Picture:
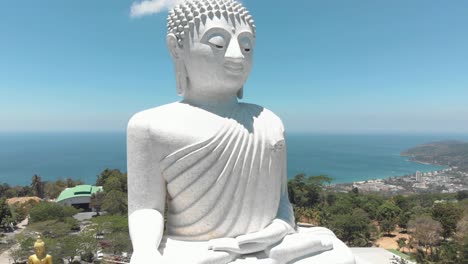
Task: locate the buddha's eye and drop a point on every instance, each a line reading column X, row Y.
column 245, row 44
column 217, row 41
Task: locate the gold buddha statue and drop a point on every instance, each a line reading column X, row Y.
column 40, row 257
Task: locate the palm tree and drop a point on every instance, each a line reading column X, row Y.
column 37, row 186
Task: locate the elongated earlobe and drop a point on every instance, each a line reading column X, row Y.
column 181, row 78
column 240, row 93
column 180, row 70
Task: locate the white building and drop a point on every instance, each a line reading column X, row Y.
column 418, row 176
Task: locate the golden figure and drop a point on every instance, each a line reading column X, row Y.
column 40, row 257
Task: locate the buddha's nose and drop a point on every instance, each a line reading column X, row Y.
column 234, row 52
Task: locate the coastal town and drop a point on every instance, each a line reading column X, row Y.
column 450, row 180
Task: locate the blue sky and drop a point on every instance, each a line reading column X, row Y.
column 323, row 66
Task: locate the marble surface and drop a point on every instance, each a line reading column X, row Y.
column 218, row 166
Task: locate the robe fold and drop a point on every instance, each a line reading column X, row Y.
column 229, row 184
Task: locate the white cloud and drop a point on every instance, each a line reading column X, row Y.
column 148, row 7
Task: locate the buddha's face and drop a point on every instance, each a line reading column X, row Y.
column 218, row 57
column 39, row 250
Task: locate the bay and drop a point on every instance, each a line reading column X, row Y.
column 83, row 156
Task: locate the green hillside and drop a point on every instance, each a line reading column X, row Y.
column 447, row 153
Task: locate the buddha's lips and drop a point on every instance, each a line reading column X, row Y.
column 234, row 67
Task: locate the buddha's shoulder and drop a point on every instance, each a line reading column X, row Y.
column 173, row 120
column 160, row 114
column 179, row 119
column 168, row 114
column 262, row 113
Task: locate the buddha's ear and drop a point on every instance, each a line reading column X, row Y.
column 240, row 93
column 173, row 46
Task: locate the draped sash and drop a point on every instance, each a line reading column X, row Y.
column 228, row 184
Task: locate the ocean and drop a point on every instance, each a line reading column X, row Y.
column 346, row 158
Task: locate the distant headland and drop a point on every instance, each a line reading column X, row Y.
column 452, row 154
column 446, row 153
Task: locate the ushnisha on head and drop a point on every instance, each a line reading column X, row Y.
column 39, row 247
column 211, row 43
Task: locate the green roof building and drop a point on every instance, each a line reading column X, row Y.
column 78, row 196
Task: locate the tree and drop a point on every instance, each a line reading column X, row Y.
column 115, row 202
column 53, row 189
column 113, row 184
column 448, row 215
column 352, row 228
column 3, row 190
column 387, row 225
column 388, row 211
column 331, row 198
column 305, row 191
column 108, row 173
column 6, row 216
column 425, row 230
column 302, row 194
column 97, row 200
column 448, row 252
column 403, row 219
column 72, row 183
column 402, row 202
column 37, row 186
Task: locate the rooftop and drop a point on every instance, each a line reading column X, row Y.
column 78, row 191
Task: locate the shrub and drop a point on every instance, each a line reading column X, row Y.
column 51, row 211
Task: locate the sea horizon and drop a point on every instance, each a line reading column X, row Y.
column 82, row 155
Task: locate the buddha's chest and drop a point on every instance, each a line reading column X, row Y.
column 194, row 127
column 230, row 147
column 236, row 173
column 45, row 260
column 223, row 175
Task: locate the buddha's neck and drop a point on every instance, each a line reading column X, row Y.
column 222, row 105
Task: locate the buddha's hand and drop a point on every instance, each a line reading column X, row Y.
column 253, row 242
column 147, row 257
column 232, row 245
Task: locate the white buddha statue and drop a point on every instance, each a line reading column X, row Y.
column 217, row 164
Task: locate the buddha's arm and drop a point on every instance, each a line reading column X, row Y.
column 49, row 259
column 281, row 226
column 284, row 222
column 146, row 193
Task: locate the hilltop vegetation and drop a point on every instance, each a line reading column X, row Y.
column 435, row 226
column 447, row 153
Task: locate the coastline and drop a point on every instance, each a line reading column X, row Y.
column 346, row 158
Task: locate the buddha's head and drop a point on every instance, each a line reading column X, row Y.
column 211, row 43
column 39, row 247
